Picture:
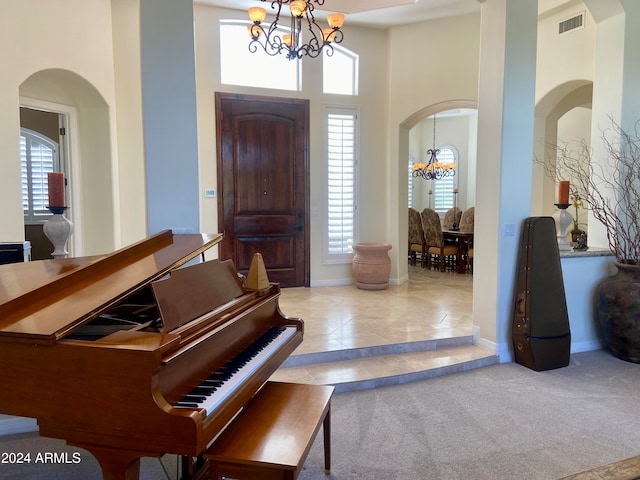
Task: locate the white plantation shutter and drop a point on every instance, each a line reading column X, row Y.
column 443, row 189
column 38, row 156
column 410, row 184
column 341, row 185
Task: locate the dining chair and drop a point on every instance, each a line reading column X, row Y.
column 417, row 243
column 466, row 225
column 451, row 218
column 467, row 220
column 434, row 239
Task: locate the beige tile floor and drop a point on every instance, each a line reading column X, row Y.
column 431, row 305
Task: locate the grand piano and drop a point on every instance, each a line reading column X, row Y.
column 136, row 353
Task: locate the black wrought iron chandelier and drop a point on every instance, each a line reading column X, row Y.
column 292, row 44
column 434, row 169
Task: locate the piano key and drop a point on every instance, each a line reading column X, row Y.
column 205, row 391
column 231, row 375
column 193, row 398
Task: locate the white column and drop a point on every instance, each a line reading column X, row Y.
column 169, row 115
column 506, row 102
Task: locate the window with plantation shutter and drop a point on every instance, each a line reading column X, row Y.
column 443, row 197
column 38, row 156
column 341, row 184
column 410, row 183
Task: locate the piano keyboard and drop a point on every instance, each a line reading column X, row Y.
column 221, row 384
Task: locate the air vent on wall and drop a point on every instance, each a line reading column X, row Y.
column 571, row 24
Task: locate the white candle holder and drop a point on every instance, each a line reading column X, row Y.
column 563, row 219
column 58, row 229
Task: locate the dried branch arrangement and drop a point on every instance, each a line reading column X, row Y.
column 610, row 187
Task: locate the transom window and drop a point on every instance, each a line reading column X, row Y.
column 38, row 156
column 238, row 66
column 340, row 71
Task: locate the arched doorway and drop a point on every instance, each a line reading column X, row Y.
column 88, row 158
column 419, row 125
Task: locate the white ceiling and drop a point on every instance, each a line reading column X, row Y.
column 374, row 13
column 389, row 13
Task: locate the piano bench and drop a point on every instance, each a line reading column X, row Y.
column 271, row 437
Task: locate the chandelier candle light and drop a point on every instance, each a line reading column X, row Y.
column 434, row 169
column 274, row 42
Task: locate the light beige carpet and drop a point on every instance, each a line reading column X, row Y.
column 628, row 469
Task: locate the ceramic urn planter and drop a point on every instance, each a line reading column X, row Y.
column 371, row 265
column 618, row 308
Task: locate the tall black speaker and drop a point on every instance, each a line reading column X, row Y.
column 541, row 333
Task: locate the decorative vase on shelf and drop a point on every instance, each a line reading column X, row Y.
column 575, row 233
column 58, row 229
column 563, row 220
column 371, row 265
column 618, row 307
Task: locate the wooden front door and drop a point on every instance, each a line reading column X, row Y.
column 263, row 186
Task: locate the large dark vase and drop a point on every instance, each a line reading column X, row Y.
column 618, row 305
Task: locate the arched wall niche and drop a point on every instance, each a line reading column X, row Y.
column 560, row 118
column 89, row 156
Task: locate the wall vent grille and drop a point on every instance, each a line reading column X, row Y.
column 571, row 24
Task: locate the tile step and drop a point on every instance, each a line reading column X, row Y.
column 312, row 358
column 368, row 372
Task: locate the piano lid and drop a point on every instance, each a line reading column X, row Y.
column 43, row 301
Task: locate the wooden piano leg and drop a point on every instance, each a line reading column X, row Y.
column 194, row 469
column 327, row 440
column 116, row 464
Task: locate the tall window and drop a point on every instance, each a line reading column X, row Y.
column 38, row 156
column 238, row 66
column 443, row 196
column 340, row 71
column 341, row 127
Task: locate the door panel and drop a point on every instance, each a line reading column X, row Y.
column 263, row 184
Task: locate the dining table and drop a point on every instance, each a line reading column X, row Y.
column 464, row 240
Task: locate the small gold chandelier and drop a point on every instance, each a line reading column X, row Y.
column 291, row 43
column 434, row 169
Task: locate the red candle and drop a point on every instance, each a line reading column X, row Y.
column 56, row 189
column 563, row 192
